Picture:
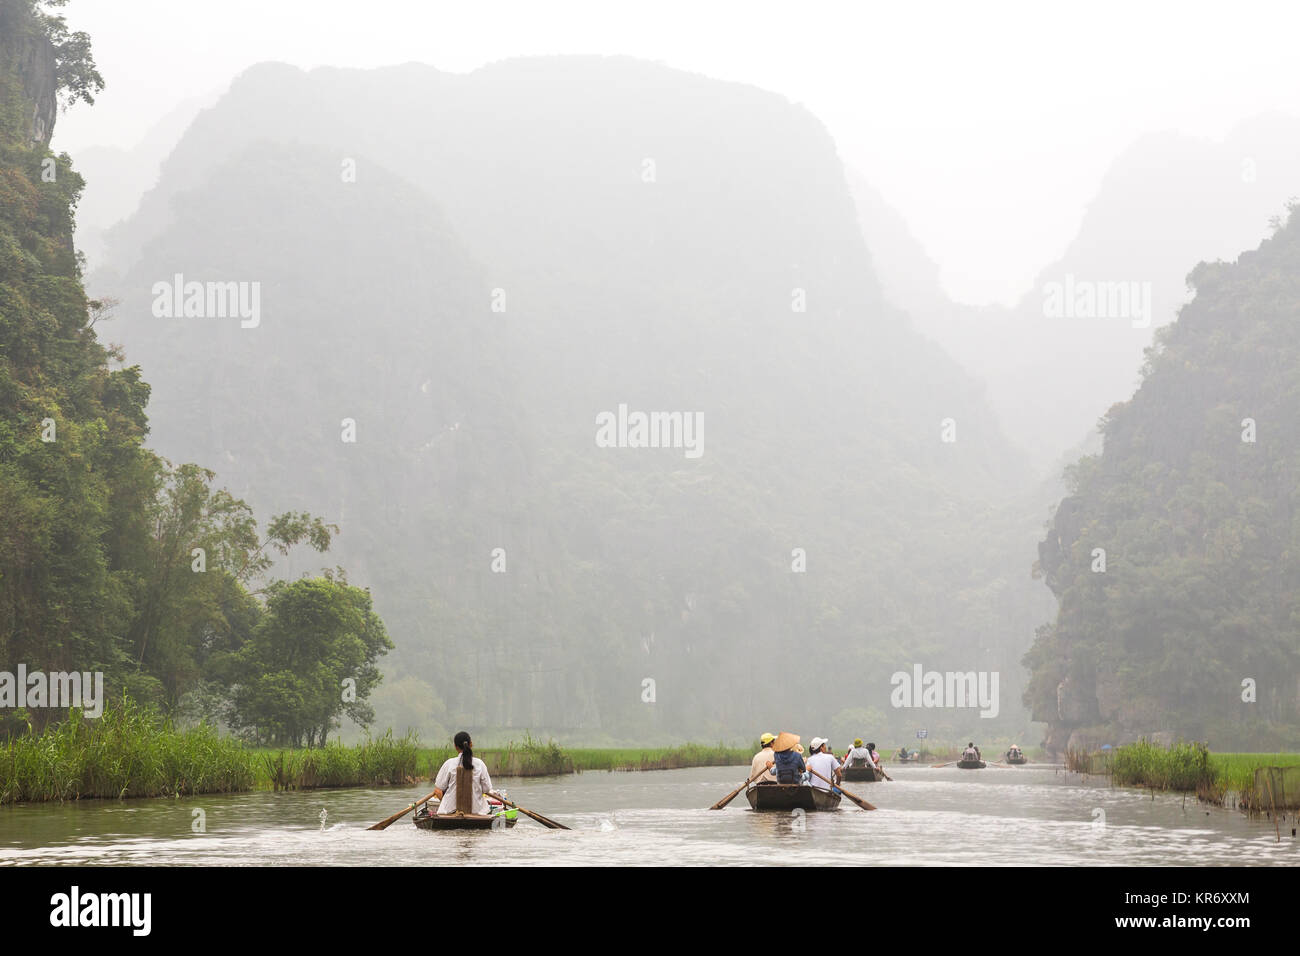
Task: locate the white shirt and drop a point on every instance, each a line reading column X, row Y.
column 446, row 782
column 857, row 753
column 826, row 765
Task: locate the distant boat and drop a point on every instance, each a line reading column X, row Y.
column 791, row 796
column 1016, row 758
column 864, row 773
column 911, row 756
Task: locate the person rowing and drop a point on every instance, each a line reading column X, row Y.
column 824, row 762
column 858, row 756
column 788, row 758
column 875, row 755
column 462, row 782
column 764, row 761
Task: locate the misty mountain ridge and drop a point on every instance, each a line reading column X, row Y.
column 1168, row 203
column 680, row 245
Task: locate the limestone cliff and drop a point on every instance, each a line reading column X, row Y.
column 28, row 74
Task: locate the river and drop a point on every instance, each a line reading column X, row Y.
column 999, row 816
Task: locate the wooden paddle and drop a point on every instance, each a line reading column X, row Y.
column 732, row 796
column 386, row 823
column 858, row 800
column 544, row 821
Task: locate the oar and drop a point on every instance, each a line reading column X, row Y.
column 732, row 796
column 858, row 800
column 385, row 824
column 544, row 821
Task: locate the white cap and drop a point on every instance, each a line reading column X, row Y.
column 818, row 742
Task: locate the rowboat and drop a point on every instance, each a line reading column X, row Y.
column 791, row 796
column 910, row 757
column 465, row 821
column 865, row 774
column 1017, row 758
column 971, row 764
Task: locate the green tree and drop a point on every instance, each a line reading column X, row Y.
column 310, row 661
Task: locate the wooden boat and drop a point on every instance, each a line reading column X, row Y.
column 1016, row 759
column 971, row 764
column 463, row 821
column 910, row 757
column 864, row 774
column 791, row 796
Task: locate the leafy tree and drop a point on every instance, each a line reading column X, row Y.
column 311, row 659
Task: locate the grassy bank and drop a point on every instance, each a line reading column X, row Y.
column 132, row 752
column 383, row 761
column 1185, row 768
column 127, row 752
column 533, row 758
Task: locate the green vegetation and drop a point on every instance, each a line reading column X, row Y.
column 112, row 560
column 380, row 762
column 133, row 751
column 1237, row 771
column 1190, row 629
column 1180, row 767
column 127, row 752
column 535, row 759
column 670, row 758
column 1184, row 767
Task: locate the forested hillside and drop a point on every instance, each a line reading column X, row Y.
column 112, row 561
column 1191, row 627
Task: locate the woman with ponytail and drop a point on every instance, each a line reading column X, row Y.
column 466, row 770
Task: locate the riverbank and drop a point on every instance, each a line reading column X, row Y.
column 536, row 759
column 132, row 752
column 1216, row 778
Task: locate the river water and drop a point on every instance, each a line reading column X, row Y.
column 998, row 816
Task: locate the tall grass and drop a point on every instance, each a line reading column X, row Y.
column 129, row 751
column 533, row 758
column 377, row 762
column 1183, row 766
column 1084, row 761
column 668, row 758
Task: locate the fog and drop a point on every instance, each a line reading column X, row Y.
column 679, row 372
column 989, row 128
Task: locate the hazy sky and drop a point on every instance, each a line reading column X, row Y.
column 988, row 125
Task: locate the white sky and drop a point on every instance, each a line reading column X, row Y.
column 988, row 125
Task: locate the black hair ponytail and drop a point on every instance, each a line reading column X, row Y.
column 461, row 740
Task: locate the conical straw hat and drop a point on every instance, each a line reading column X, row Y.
column 785, row 741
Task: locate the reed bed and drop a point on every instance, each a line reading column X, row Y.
column 128, row 751
column 534, row 758
column 1184, row 766
column 382, row 761
column 671, row 758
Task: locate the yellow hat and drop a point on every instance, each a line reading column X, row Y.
column 767, row 738
column 857, row 741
